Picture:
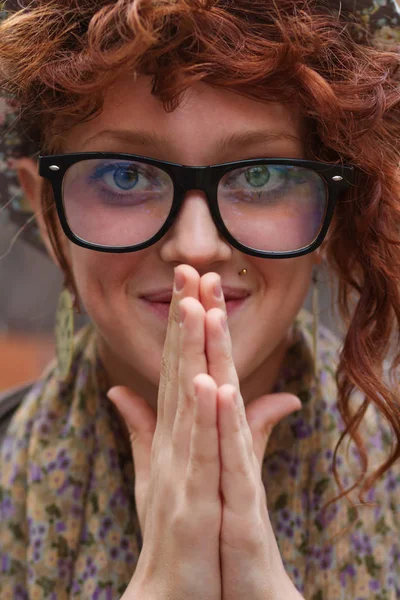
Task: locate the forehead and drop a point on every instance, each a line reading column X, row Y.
column 208, row 119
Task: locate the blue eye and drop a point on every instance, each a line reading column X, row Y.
column 125, row 177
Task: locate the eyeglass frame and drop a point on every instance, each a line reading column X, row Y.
column 337, row 179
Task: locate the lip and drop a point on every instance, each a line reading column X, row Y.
column 165, row 294
column 162, row 308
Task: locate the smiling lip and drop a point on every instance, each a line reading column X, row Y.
column 162, row 308
column 165, row 295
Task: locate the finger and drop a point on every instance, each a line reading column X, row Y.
column 170, row 356
column 210, row 292
column 219, row 349
column 192, row 362
column 220, row 363
column 203, row 470
column 140, row 420
column 264, row 413
column 238, row 482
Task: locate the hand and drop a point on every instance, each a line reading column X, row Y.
column 177, row 466
column 251, row 565
column 246, row 562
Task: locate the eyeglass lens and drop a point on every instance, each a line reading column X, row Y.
column 122, row 203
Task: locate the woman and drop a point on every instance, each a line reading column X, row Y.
column 132, row 468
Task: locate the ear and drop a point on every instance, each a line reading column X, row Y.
column 317, row 256
column 31, row 183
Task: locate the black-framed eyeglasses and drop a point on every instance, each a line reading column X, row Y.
column 271, row 208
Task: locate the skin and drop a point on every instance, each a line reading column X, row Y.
column 110, row 284
column 132, row 342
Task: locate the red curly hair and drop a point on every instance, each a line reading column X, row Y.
column 58, row 57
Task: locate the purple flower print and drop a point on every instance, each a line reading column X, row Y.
column 103, row 593
column 119, row 498
column 326, row 561
column 113, row 455
column 76, row 588
column 347, row 571
column 35, row 473
column 5, row 562
column 63, row 462
column 6, row 509
column 322, row 556
column 391, row 482
column 374, row 585
column 273, row 467
column 20, row 593
column 289, row 532
column 107, row 523
column 361, row 544
column 77, row 491
column 285, row 514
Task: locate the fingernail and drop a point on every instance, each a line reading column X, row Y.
column 218, row 290
column 179, row 281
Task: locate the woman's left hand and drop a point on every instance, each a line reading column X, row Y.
column 251, row 564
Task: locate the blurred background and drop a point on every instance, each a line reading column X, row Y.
column 29, row 289
column 30, row 285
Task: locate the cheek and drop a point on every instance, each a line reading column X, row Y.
column 287, row 279
column 286, row 288
column 101, row 277
column 282, row 289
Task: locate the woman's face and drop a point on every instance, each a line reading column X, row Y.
column 211, row 126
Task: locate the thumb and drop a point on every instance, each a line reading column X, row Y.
column 265, row 412
column 141, row 421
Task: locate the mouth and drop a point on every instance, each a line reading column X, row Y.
column 161, row 309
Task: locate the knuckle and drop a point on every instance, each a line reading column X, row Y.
column 187, row 529
column 200, row 465
column 248, row 534
column 252, row 541
column 225, row 358
column 181, row 526
column 243, row 470
column 199, row 461
column 191, row 351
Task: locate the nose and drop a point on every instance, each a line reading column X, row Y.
column 194, row 238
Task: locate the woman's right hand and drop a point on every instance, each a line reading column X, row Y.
column 177, row 467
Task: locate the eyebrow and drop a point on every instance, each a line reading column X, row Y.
column 229, row 142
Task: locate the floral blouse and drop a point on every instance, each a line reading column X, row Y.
column 68, row 521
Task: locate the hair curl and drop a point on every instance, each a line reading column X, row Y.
column 58, row 57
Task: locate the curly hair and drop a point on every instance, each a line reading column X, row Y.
column 58, row 58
